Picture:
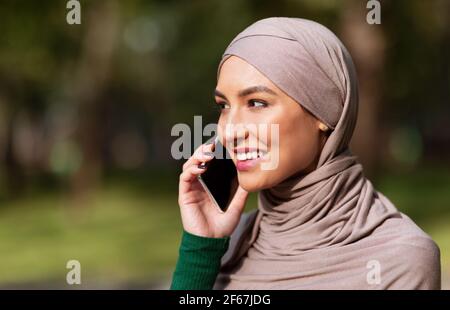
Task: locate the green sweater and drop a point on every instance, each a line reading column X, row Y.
column 198, row 262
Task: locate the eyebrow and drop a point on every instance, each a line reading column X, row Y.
column 247, row 91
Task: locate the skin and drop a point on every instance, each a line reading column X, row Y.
column 246, row 99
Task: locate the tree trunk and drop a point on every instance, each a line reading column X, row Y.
column 366, row 44
column 89, row 86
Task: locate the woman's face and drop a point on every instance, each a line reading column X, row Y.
column 251, row 109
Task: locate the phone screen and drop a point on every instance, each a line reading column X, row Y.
column 220, row 178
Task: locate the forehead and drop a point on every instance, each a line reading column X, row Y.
column 237, row 73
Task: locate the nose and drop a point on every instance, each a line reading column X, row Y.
column 235, row 134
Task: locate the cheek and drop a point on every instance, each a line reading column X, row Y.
column 221, row 127
column 298, row 152
column 299, row 145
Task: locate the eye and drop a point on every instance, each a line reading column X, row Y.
column 257, row 103
column 222, row 105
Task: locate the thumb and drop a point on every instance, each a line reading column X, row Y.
column 237, row 205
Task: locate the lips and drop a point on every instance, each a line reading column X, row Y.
column 248, row 157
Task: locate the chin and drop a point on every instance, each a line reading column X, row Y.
column 252, row 182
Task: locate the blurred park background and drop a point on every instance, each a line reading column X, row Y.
column 86, row 113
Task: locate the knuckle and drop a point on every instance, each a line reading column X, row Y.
column 185, row 165
column 182, row 176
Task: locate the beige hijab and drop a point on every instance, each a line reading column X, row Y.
column 329, row 229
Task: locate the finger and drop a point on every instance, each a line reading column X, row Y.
column 188, row 176
column 237, row 204
column 203, row 153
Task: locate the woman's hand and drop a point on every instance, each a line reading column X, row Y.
column 198, row 213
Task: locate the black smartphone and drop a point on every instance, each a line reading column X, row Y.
column 220, row 178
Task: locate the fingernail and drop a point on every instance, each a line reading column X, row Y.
column 202, row 166
column 210, row 154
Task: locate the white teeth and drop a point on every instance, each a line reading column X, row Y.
column 250, row 155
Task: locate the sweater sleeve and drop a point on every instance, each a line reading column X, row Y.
column 198, row 262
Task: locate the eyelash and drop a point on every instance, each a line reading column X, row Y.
column 221, row 104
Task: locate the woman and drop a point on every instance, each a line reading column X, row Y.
column 320, row 224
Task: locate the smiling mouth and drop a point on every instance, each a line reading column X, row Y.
column 243, row 156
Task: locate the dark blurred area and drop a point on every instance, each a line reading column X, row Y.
column 86, row 113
